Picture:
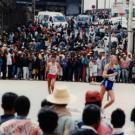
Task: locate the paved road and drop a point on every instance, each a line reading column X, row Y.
column 37, row 91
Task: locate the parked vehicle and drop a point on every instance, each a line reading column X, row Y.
column 83, row 20
column 52, row 18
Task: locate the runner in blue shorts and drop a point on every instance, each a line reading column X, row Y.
column 109, row 75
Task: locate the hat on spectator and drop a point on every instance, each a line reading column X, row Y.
column 101, row 51
column 124, row 55
column 58, row 34
column 92, row 96
column 41, row 50
column 4, row 45
column 60, row 96
column 19, row 52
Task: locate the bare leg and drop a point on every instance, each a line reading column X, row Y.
column 49, row 85
column 112, row 99
column 52, row 84
column 102, row 91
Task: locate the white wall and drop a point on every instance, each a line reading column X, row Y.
column 88, row 3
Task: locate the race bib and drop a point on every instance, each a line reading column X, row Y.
column 53, row 71
column 111, row 79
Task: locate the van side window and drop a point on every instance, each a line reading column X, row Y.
column 40, row 17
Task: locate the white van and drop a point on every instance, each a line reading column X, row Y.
column 55, row 18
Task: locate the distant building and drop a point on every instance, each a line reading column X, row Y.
column 6, row 12
column 17, row 12
column 68, row 7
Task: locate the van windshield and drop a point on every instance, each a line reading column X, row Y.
column 59, row 19
column 46, row 17
column 83, row 18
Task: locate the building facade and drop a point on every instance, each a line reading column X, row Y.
column 6, row 12
column 17, row 12
column 68, row 7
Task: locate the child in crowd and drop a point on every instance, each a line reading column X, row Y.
column 94, row 71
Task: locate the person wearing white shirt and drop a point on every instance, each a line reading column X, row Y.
column 9, row 64
column 94, row 71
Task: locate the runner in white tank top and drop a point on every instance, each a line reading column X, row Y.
column 53, row 68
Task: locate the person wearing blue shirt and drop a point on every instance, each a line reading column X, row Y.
column 109, row 75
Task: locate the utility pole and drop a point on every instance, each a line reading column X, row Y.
column 104, row 8
column 130, row 32
column 109, row 4
column 96, row 4
column 104, row 4
column 33, row 9
column 82, row 7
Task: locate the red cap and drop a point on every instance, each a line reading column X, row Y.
column 92, row 96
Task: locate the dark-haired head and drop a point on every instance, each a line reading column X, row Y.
column 48, row 120
column 118, row 118
column 22, row 106
column 133, row 115
column 8, row 101
column 91, row 115
column 45, row 103
column 98, row 103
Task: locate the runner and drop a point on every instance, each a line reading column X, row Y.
column 53, row 68
column 109, row 75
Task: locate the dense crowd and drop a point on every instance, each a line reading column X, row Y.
column 56, row 118
column 81, row 51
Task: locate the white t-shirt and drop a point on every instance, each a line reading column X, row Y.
column 9, row 59
column 95, row 68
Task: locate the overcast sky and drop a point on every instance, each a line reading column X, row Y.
column 89, row 3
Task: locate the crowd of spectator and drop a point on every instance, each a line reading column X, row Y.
column 81, row 52
column 55, row 118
